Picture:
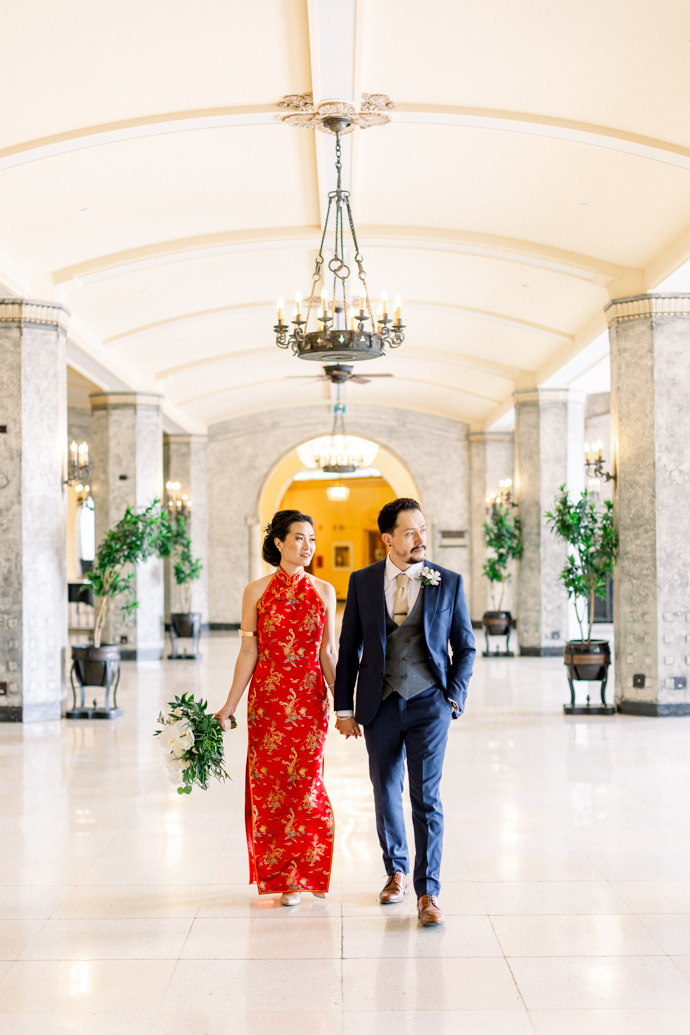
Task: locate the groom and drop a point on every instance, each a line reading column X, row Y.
column 400, row 619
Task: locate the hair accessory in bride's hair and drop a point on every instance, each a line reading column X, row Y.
column 267, row 529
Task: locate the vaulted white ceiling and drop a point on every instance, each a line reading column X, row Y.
column 536, row 165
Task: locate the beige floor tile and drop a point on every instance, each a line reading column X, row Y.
column 592, row 935
column 458, row 898
column 280, row 1022
column 283, row 936
column 428, row 984
column 630, row 982
column 440, row 1022
column 683, row 964
column 655, row 896
column 85, row 986
column 524, row 864
column 143, row 901
column 611, row 1022
column 21, row 902
column 671, row 931
column 76, row 1024
column 15, row 935
column 390, row 936
column 240, row 986
column 100, row 939
column 545, row 897
column 227, row 900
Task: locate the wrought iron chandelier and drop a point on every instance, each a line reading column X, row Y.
column 338, row 453
column 341, row 324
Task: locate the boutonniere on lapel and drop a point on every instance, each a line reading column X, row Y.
column 429, row 576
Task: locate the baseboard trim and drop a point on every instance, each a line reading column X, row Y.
column 653, row 709
column 541, row 652
column 11, row 714
column 224, row 626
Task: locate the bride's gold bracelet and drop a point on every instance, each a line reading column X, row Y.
column 243, row 632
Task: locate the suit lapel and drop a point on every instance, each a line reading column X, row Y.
column 378, row 597
column 432, row 595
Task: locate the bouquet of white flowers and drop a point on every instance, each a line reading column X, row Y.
column 192, row 742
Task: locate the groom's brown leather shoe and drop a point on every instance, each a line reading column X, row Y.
column 397, row 886
column 429, row 911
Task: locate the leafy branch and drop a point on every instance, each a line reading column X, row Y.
column 593, row 539
column 502, row 535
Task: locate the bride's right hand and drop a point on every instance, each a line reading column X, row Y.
column 222, row 715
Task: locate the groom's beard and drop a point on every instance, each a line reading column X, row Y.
column 416, row 555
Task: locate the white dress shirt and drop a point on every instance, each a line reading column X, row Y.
column 390, row 585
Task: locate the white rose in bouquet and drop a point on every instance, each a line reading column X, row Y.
column 177, row 737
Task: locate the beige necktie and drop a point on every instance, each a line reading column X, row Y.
column 400, row 599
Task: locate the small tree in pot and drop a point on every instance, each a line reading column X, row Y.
column 592, row 539
column 137, row 536
column 502, row 537
column 186, row 569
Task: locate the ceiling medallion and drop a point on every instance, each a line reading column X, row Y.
column 373, row 112
column 341, row 333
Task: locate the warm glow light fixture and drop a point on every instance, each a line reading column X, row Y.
column 338, row 453
column 337, row 493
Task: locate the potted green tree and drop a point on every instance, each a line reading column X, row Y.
column 592, row 540
column 137, row 536
column 184, row 623
column 502, row 538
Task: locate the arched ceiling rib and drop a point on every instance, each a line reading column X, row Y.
column 514, row 193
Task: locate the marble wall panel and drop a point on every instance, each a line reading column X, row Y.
column 492, row 459
column 33, row 613
column 650, row 367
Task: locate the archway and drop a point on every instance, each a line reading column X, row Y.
column 347, row 535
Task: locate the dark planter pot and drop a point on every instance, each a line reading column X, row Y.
column 95, row 666
column 587, row 660
column 497, row 623
column 185, row 625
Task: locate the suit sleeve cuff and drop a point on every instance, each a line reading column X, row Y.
column 344, row 715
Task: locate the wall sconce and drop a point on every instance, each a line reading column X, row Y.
column 594, row 462
column 178, row 503
column 78, row 470
column 502, row 498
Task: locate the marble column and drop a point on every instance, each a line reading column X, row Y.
column 549, row 439
column 33, row 446
column 127, row 454
column 650, row 425
column 492, row 459
column 185, row 460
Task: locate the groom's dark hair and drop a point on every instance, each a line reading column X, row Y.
column 388, row 515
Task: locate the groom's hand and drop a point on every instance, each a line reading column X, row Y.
column 348, row 727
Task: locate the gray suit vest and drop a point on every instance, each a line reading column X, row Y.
column 407, row 666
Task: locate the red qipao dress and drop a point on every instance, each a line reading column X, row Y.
column 288, row 816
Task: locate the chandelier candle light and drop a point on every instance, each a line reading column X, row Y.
column 341, row 332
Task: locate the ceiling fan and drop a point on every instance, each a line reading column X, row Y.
column 337, row 374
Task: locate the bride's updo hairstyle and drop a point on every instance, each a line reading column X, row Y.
column 278, row 529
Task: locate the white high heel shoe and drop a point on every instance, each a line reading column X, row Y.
column 320, row 894
column 290, row 898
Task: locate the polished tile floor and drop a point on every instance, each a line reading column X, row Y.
column 124, row 908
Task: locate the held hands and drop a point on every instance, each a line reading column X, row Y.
column 348, row 728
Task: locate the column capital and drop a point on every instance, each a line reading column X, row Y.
column 548, row 395
column 120, row 400
column 643, row 307
column 28, row 311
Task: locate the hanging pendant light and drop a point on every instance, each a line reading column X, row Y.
column 344, row 329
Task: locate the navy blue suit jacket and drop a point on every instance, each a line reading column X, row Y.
column 362, row 656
